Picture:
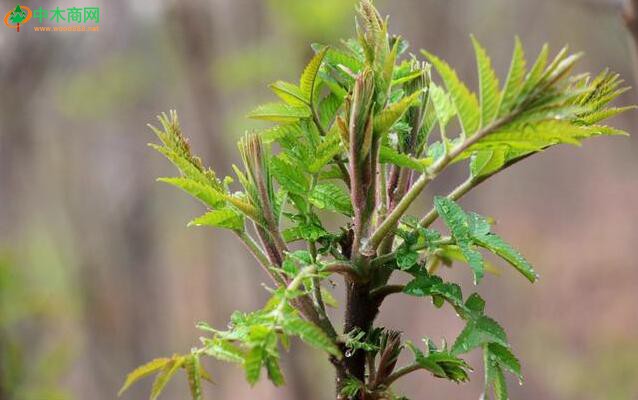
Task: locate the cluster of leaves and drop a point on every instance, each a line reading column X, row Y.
column 356, row 137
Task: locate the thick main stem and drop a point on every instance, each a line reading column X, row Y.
column 361, row 311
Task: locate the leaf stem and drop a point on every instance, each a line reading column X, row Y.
column 400, row 373
column 259, row 255
column 423, row 181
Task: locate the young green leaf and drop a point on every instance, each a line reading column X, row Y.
column 165, row 375
column 331, row 197
column 289, row 176
column 252, row 364
column 193, row 372
column 490, row 93
column 142, row 371
column 486, row 162
column 477, row 332
column 388, row 155
column 515, row 80
column 290, row 93
column 205, row 193
column 456, row 220
column 222, row 218
column 498, row 246
column 279, row 112
column 309, row 76
column 310, row 334
column 466, row 104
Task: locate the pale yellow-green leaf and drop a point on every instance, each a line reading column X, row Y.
column 142, row 371
column 279, row 112
column 309, row 75
column 223, row 218
column 515, row 80
column 489, row 89
column 467, row 106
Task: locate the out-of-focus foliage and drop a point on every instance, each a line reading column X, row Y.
column 32, row 302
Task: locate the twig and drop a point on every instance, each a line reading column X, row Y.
column 402, row 372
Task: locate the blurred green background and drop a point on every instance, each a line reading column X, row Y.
column 98, row 272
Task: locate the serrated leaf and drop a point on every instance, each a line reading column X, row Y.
column 534, row 137
column 498, row 246
column 206, row 194
column 328, row 108
column 489, row 89
column 222, row 218
column 331, row 197
column 326, row 151
column 193, row 372
column 224, row 351
column 464, row 100
column 165, row 375
column 442, row 105
column 486, row 162
column 290, row 177
column 388, row 155
column 274, row 371
column 456, row 220
column 475, row 303
column 505, row 358
column 142, row 371
column 477, row 332
column 279, row 112
column 290, row 93
column 309, row 75
column 390, row 115
column 406, row 258
column 515, row 80
column 535, row 75
column 252, row 364
column 310, row 334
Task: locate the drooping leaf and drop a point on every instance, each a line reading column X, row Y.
column 193, row 372
column 252, row 364
column 477, row 332
column 498, row 246
column 142, row 371
column 456, row 220
column 165, row 375
column 310, row 334
column 505, row 358
column 274, row 371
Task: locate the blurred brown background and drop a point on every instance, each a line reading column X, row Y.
column 98, row 272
